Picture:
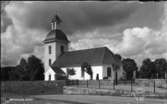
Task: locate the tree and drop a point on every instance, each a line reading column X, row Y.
column 116, row 66
column 129, row 66
column 6, row 73
column 35, row 68
column 160, row 67
column 70, row 72
column 118, row 57
column 21, row 72
column 85, row 67
column 147, row 69
column 32, row 69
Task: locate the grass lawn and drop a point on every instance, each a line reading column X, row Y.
column 79, row 99
column 37, row 101
column 94, row 99
column 27, row 91
column 19, row 99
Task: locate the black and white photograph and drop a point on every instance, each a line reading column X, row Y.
column 83, row 52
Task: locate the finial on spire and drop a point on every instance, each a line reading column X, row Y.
column 55, row 21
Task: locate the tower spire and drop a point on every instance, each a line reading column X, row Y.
column 55, row 21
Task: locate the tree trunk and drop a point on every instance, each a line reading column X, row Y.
column 67, row 76
column 91, row 76
column 134, row 74
column 116, row 79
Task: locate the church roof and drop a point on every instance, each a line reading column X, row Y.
column 57, row 70
column 94, row 56
column 56, row 35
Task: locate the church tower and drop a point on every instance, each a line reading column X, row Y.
column 55, row 43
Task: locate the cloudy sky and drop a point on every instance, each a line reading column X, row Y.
column 132, row 29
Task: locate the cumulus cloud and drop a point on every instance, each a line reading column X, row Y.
column 136, row 42
column 88, row 25
column 17, row 42
column 75, row 15
column 17, row 39
column 146, row 43
column 164, row 19
column 25, row 24
column 5, row 21
column 92, row 39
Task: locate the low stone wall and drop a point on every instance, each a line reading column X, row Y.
column 160, row 83
column 86, row 91
column 91, row 83
column 118, row 92
column 32, row 87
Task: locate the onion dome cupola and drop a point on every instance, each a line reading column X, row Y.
column 56, row 34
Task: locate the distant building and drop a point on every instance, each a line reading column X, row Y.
column 57, row 58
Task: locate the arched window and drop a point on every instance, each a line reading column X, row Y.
column 50, row 49
column 50, row 61
column 109, row 71
column 62, row 49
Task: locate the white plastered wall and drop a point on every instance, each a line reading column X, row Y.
column 58, row 49
column 119, row 72
column 48, row 56
column 55, row 52
column 96, row 70
column 105, row 71
column 50, row 72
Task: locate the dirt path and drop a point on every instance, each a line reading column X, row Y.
column 91, row 99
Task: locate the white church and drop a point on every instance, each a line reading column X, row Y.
column 58, row 58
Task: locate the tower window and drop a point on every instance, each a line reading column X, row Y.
column 108, row 71
column 50, row 61
column 50, row 50
column 62, row 49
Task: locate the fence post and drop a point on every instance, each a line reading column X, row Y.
column 99, row 83
column 66, row 82
column 78, row 83
column 154, row 86
column 114, row 84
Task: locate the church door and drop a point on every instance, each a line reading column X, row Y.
column 49, row 77
column 108, row 72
